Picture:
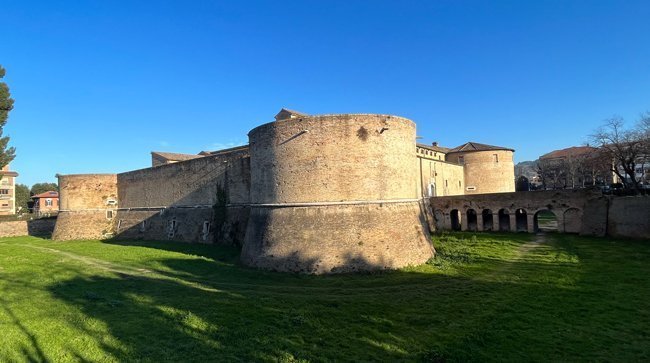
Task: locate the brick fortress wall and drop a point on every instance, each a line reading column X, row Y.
column 335, row 193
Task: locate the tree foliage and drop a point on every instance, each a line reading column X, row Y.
column 7, row 154
column 39, row 188
column 625, row 147
column 22, row 197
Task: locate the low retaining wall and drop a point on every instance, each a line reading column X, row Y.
column 37, row 227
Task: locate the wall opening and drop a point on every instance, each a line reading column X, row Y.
column 206, row 230
column 522, row 220
column 488, row 220
column 472, row 220
column 545, row 221
column 504, row 220
column 171, row 228
column 454, row 215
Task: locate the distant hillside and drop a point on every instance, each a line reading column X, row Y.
column 527, row 169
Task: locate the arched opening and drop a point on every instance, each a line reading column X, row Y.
column 488, row 220
column 545, row 221
column 454, row 215
column 472, row 220
column 572, row 220
column 522, row 220
column 504, row 220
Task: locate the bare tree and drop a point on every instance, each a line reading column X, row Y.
column 624, row 148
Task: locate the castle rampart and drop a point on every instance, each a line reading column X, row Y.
column 323, row 199
column 88, row 203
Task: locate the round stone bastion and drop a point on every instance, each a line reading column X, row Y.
column 333, row 194
column 87, row 206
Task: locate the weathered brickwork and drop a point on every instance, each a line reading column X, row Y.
column 37, row 227
column 440, row 178
column 629, row 217
column 328, row 194
column 581, row 211
column 333, row 158
column 338, row 165
column 486, row 171
column 88, row 203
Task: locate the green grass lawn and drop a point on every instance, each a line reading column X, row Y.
column 486, row 297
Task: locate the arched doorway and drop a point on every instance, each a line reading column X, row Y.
column 454, row 215
column 488, row 220
column 472, row 220
column 521, row 219
column 545, row 221
column 504, row 220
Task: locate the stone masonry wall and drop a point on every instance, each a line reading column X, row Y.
column 568, row 206
column 484, row 174
column 36, row 227
column 335, row 193
column 629, row 217
column 177, row 201
column 445, row 178
column 88, row 203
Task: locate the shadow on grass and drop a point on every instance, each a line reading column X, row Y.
column 211, row 309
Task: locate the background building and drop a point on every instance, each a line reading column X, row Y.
column 8, row 191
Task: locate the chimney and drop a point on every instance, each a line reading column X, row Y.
column 435, row 143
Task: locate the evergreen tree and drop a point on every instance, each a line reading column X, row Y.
column 6, row 105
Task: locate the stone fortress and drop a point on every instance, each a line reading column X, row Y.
column 315, row 194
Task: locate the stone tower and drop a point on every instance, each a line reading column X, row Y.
column 335, row 193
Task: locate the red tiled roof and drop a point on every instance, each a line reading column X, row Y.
column 49, row 194
column 569, row 152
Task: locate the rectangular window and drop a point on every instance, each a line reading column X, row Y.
column 461, row 160
column 109, row 214
column 4, row 191
column 48, row 202
column 446, row 183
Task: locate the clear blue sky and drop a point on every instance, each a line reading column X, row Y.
column 100, row 84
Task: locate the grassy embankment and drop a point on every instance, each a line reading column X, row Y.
column 485, row 297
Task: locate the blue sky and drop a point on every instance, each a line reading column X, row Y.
column 100, row 84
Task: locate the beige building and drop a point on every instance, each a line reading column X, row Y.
column 471, row 168
column 8, row 191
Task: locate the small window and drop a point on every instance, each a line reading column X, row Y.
column 461, row 160
column 109, row 214
column 459, row 184
column 111, row 202
column 471, row 188
column 446, row 183
column 143, row 226
column 4, row 191
column 171, row 228
column 48, row 202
